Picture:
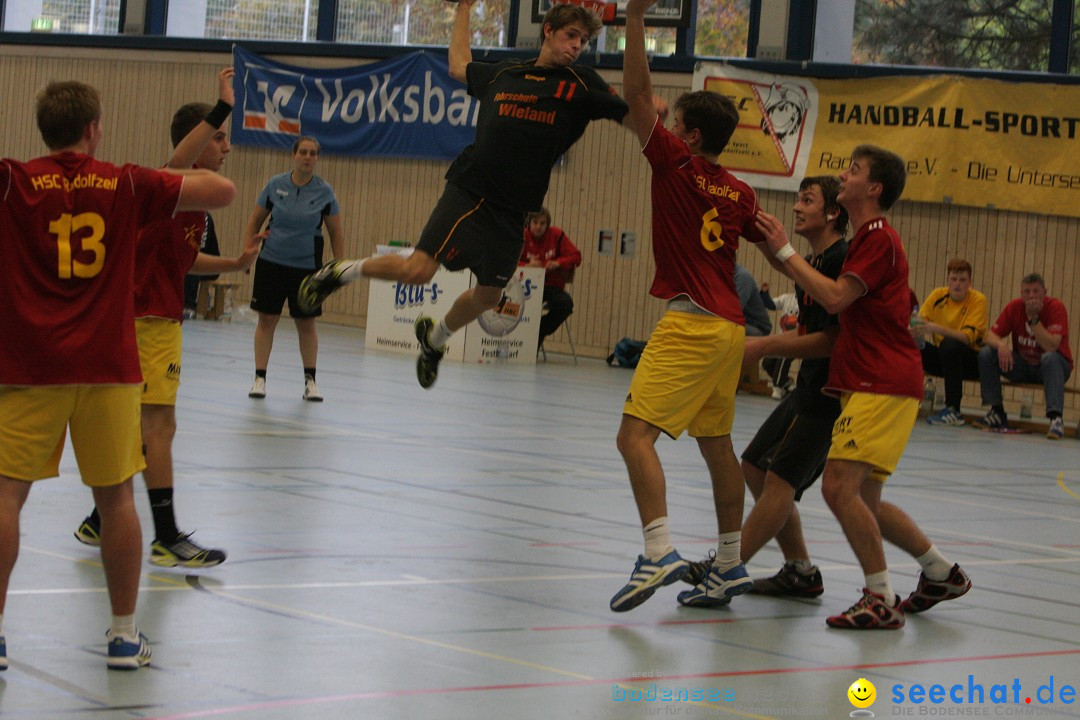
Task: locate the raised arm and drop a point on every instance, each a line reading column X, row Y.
column 204, row 190
column 188, row 150
column 460, row 53
column 834, row 295
column 637, row 83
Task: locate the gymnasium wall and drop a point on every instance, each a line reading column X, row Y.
column 603, row 184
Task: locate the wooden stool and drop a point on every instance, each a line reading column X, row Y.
column 213, row 309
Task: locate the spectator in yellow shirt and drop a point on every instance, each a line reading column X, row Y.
column 954, row 321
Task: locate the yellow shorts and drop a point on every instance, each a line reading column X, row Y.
column 105, row 431
column 687, row 376
column 160, row 342
column 873, row 429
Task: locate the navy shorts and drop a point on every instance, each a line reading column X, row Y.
column 792, row 445
column 274, row 284
column 467, row 231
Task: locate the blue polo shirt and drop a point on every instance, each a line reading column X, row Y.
column 296, row 218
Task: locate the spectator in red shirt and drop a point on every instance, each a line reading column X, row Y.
column 1039, row 353
column 548, row 247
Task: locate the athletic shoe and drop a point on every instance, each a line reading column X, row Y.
column 1057, row 429
column 258, row 388
column 946, row 416
column 697, row 569
column 789, row 582
column 3, row 654
column 311, row 390
column 427, row 365
column 127, row 654
column 994, row 420
column 184, row 552
column 648, row 575
column 718, row 588
column 930, row 592
column 89, row 533
column 319, row 285
column 870, row 613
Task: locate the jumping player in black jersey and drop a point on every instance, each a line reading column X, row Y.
column 531, row 112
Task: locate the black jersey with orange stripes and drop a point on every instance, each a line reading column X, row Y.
column 529, row 117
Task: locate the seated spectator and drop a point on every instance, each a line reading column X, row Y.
column 1039, row 353
column 954, row 322
column 758, row 323
column 548, row 247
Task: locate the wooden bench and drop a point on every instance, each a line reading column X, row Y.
column 211, row 301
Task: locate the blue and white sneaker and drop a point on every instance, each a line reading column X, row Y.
column 649, row 575
column 3, row 654
column 127, row 654
column 718, row 588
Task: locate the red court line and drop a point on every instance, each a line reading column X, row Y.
column 294, row 702
column 714, row 621
column 563, row 544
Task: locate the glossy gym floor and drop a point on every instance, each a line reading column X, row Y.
column 401, row 553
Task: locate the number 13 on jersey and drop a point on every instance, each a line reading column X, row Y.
column 63, row 227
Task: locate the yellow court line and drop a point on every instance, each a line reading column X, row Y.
column 1061, row 482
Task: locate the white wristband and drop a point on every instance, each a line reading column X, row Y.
column 785, row 252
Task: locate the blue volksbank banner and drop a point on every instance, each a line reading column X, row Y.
column 408, row 106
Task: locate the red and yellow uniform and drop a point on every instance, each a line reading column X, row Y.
column 876, row 369
column 689, row 370
column 68, row 229
column 167, row 249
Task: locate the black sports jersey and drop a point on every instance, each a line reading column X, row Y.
column 814, row 373
column 529, row 117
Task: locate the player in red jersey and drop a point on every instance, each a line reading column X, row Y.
column 876, row 371
column 688, row 373
column 168, row 250
column 68, row 357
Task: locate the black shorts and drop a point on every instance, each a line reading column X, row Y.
column 274, row 284
column 466, row 231
column 791, row 445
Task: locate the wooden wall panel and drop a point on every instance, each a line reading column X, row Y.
column 602, row 183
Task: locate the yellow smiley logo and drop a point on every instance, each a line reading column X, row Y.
column 862, row 693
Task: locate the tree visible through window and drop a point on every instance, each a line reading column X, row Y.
column 89, row 17
column 418, row 22
column 985, row 34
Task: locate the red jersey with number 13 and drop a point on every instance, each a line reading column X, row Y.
column 699, row 212
column 68, row 228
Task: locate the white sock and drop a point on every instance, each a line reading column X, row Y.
column 657, row 538
column 727, row 551
column 802, row 566
column 124, row 625
column 351, row 271
column 934, row 565
column 879, row 583
column 440, row 334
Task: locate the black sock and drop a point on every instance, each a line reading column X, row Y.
column 309, row 373
column 161, row 504
column 260, row 373
column 1052, row 415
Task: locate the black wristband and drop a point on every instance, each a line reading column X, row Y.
column 1034, row 322
column 216, row 117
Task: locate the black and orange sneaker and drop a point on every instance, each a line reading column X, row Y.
column 930, row 592
column 789, row 582
column 870, row 613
